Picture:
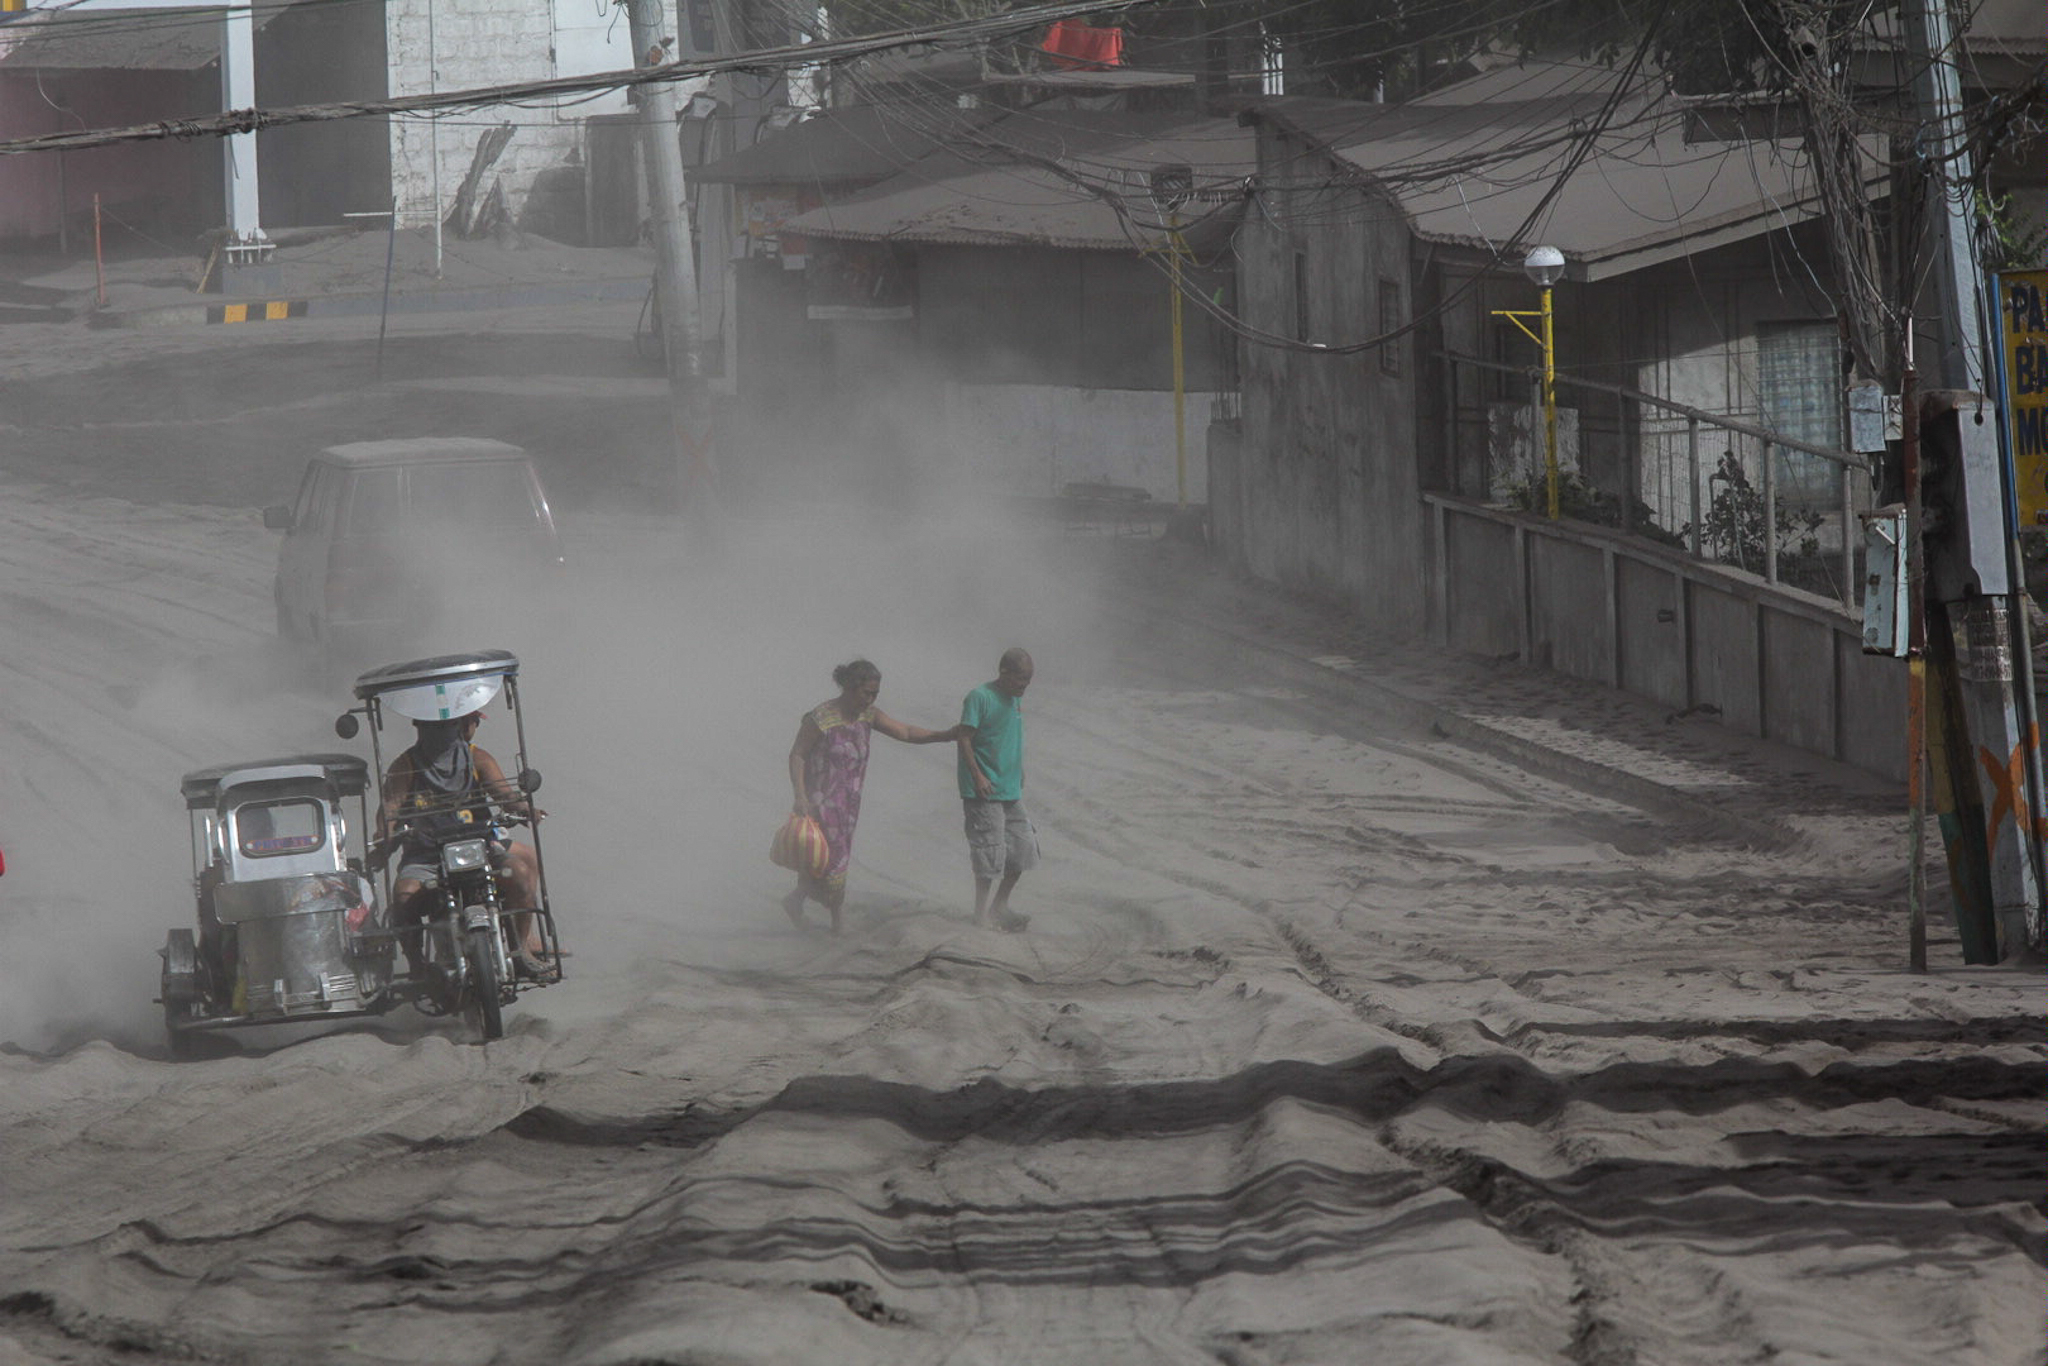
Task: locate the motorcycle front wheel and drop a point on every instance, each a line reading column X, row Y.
column 481, row 1007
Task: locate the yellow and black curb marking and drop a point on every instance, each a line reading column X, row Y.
column 269, row 311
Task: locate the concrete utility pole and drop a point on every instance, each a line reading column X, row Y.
column 1974, row 568
column 1938, row 97
column 676, row 269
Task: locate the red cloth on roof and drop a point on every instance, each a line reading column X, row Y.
column 1083, row 47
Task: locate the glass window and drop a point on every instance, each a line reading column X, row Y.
column 479, row 495
column 316, row 500
column 267, row 829
column 374, row 501
column 1800, row 379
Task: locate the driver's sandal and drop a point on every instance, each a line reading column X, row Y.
column 537, row 966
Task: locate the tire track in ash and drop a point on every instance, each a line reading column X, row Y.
column 1314, row 968
column 1601, row 1335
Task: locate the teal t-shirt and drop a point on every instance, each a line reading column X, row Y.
column 998, row 721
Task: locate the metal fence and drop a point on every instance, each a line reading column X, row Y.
column 1726, row 489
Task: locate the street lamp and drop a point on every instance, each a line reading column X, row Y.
column 1545, row 267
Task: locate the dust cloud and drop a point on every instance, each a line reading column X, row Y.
column 664, row 670
column 1327, row 1029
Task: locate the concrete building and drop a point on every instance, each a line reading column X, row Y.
column 438, row 45
column 1009, row 288
column 92, row 64
column 1396, row 477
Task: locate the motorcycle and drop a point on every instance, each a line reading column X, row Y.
column 459, row 934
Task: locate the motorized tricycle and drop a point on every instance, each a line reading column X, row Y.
column 289, row 924
column 470, row 946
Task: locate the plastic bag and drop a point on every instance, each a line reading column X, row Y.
column 800, row 845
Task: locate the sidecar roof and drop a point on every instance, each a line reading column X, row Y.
column 441, row 688
column 345, row 773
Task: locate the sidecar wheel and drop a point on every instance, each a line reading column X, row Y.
column 480, row 1004
column 179, row 989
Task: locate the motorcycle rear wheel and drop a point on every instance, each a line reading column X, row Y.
column 481, row 1007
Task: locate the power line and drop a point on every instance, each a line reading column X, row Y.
column 778, row 58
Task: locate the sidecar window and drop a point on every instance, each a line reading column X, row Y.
column 267, row 829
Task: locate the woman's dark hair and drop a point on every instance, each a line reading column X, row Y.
column 854, row 673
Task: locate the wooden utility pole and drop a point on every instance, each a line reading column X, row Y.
column 675, row 263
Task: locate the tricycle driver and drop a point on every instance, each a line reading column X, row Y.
column 444, row 764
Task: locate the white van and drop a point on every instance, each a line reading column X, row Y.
column 384, row 536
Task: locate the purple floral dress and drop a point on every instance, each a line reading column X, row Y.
column 833, row 773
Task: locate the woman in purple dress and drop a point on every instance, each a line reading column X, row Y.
column 827, row 765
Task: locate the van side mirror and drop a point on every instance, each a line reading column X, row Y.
column 346, row 725
column 278, row 518
column 529, row 780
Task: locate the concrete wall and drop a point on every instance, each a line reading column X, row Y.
column 1771, row 661
column 493, row 42
column 1327, row 483
column 313, row 173
column 1034, row 438
column 1080, row 319
column 169, row 189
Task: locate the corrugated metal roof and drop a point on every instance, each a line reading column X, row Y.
column 1067, row 179
column 860, row 144
column 1469, row 164
column 117, row 39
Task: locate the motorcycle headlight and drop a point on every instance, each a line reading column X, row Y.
column 464, row 855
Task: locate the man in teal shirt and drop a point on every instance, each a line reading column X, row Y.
column 1001, row 842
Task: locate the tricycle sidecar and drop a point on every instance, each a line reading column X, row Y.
column 289, row 927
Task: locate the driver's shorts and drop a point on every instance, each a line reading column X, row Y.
column 1000, row 837
column 426, row 874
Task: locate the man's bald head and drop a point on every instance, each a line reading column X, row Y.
column 1013, row 671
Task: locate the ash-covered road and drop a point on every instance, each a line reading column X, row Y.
column 1331, row 1040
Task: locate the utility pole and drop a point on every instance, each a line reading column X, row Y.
column 1916, row 680
column 675, row 270
column 1938, row 98
column 1973, row 567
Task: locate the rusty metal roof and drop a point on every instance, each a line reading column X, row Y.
column 1074, row 179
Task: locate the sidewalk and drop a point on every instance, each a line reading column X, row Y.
column 337, row 274
column 1688, row 767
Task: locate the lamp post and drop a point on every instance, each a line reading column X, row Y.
column 1544, row 266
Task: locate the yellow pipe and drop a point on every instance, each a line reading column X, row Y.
column 1549, row 405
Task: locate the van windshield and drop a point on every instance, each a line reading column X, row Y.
column 473, row 494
